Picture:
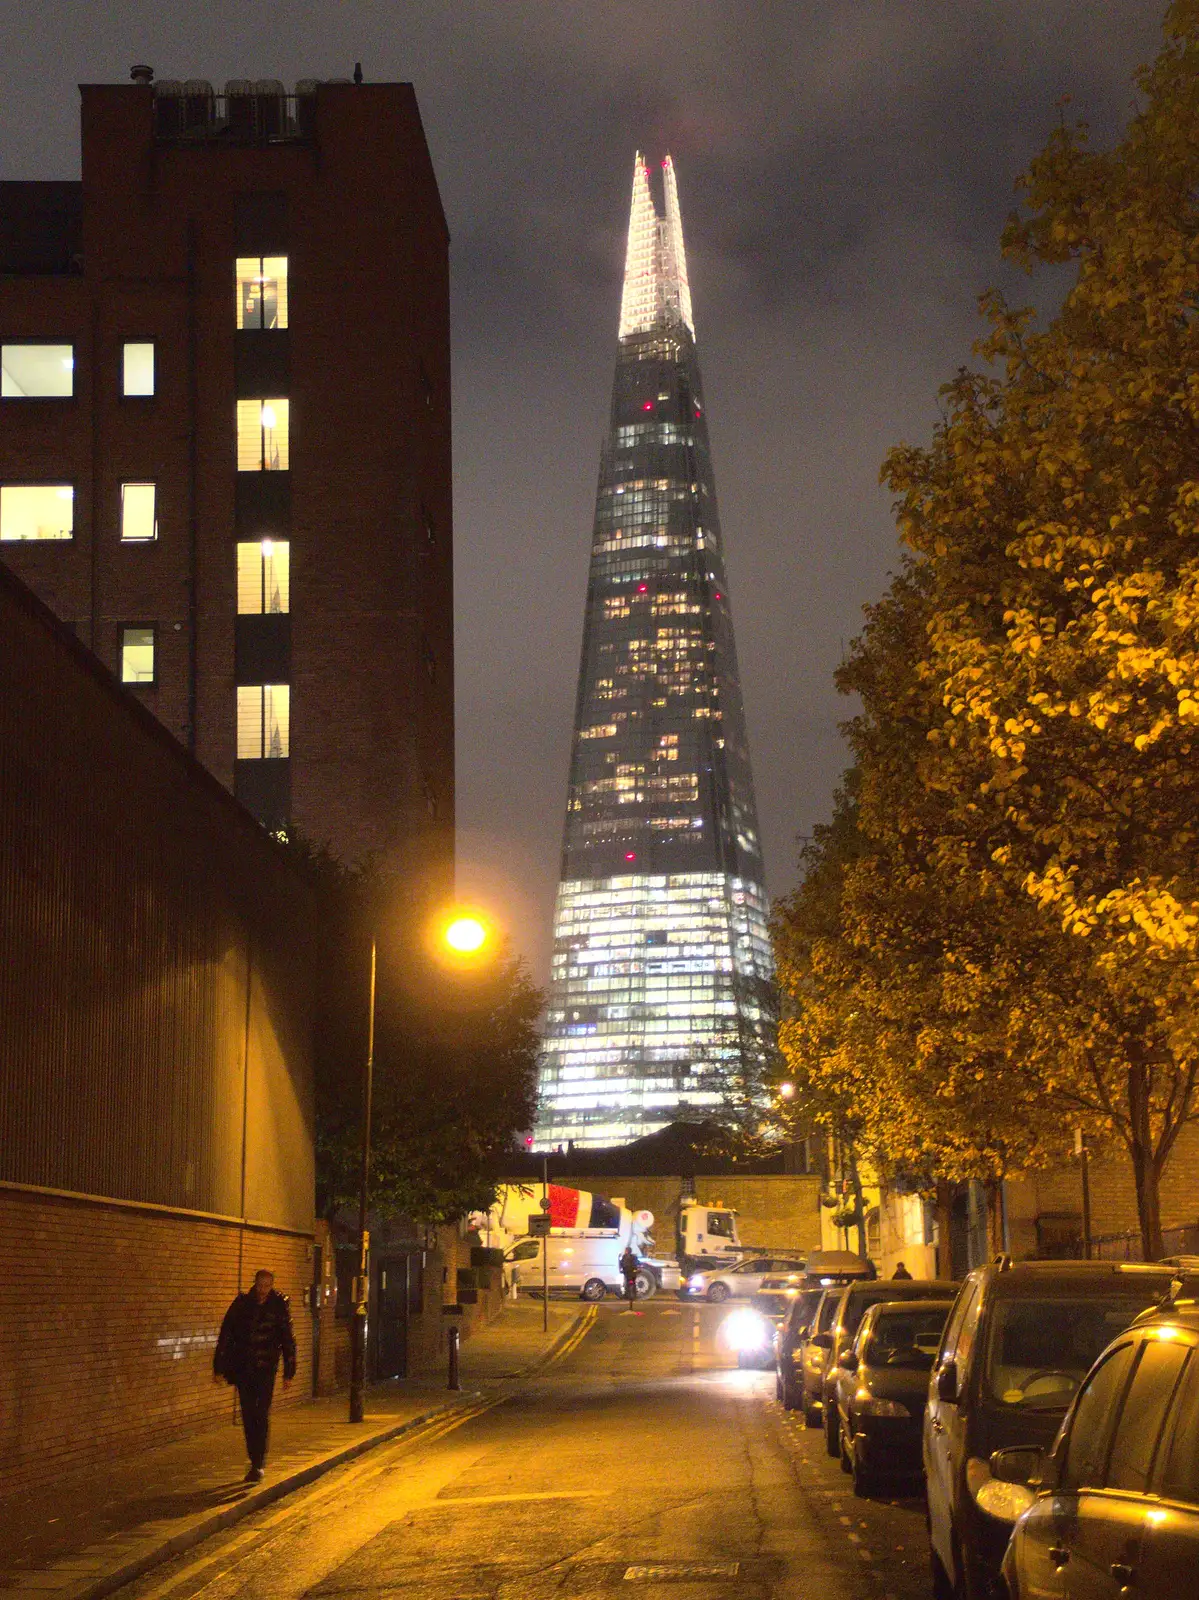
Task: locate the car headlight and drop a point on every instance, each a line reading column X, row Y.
column 873, row 1405
column 745, row 1330
column 695, row 1281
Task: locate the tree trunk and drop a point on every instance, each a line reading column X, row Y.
column 993, row 1188
column 855, row 1180
column 1144, row 1167
column 944, row 1205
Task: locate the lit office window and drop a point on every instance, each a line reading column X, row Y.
column 263, row 577
column 137, row 370
column 262, row 435
column 263, row 721
column 262, row 291
column 36, row 511
column 139, row 517
column 137, row 655
column 37, row 371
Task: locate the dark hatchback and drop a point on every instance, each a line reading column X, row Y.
column 882, row 1386
column 788, row 1347
column 1019, row 1341
column 1114, row 1507
column 852, row 1305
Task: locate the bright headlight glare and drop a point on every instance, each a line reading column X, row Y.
column 695, row 1281
column 745, row 1330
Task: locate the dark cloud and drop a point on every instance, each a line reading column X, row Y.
column 844, row 171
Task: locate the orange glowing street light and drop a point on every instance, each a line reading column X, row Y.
column 786, row 1090
column 466, row 935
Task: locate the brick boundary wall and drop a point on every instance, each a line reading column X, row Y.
column 108, row 1318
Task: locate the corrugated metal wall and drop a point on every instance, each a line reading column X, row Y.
column 154, row 955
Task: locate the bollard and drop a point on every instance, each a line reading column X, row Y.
column 453, row 1335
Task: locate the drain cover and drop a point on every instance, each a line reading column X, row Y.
column 681, row 1571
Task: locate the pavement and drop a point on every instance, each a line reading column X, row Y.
column 87, row 1534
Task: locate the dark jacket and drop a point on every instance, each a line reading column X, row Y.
column 254, row 1336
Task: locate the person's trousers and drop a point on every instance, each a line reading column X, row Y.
column 255, row 1393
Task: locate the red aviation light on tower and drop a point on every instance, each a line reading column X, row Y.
column 648, row 406
column 630, row 855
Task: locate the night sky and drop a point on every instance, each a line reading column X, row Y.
column 844, row 173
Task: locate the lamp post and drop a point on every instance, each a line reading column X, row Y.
column 362, row 1282
column 465, row 936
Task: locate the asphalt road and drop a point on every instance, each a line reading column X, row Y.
column 643, row 1463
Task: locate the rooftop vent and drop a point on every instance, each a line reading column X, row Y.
column 141, row 73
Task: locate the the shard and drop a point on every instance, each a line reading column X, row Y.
column 661, row 956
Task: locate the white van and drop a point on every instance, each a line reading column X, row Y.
column 587, row 1267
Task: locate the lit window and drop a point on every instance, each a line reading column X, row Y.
column 263, row 577
column 263, row 721
column 262, row 291
column 37, row 371
column 137, row 655
column 37, row 511
column 137, row 369
column 262, row 435
column 139, row 519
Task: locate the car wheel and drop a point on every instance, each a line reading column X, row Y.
column 811, row 1416
column 788, row 1396
column 863, row 1481
column 718, row 1293
column 847, row 1461
column 647, row 1285
column 593, row 1290
column 832, row 1431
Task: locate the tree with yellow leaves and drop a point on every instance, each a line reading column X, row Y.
column 1055, row 518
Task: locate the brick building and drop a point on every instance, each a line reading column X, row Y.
column 156, row 1138
column 225, row 440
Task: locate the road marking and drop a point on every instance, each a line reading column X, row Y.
column 576, row 1337
column 507, row 1499
column 673, row 1571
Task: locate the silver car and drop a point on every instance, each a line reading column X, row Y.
column 742, row 1281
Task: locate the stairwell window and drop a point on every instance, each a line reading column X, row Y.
column 262, row 291
column 31, row 371
column 263, row 578
column 263, row 721
column 36, row 511
column 139, row 515
column 263, row 435
column 137, row 368
column 137, row 654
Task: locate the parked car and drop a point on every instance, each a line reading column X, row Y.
column 813, row 1356
column 882, row 1386
column 776, row 1293
column 852, row 1304
column 1114, row 1507
column 788, row 1347
column 741, row 1281
column 1019, row 1341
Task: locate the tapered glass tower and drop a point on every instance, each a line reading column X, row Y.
column 661, row 957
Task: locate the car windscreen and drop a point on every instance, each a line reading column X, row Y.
column 1039, row 1350
column 827, row 1314
column 906, row 1338
column 803, row 1309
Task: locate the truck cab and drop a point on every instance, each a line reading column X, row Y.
column 707, row 1236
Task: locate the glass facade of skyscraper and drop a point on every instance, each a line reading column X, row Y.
column 661, row 956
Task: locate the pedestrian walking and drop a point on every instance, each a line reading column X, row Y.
column 901, row 1272
column 628, row 1271
column 255, row 1333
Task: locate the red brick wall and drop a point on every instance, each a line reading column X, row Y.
column 108, row 1318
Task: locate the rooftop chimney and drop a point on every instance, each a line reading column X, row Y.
column 142, row 74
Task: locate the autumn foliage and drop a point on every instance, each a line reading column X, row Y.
column 999, row 934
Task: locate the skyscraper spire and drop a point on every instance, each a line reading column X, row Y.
column 657, row 1002
column 655, row 270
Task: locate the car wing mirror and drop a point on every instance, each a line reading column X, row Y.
column 849, row 1361
column 947, row 1383
column 1020, row 1463
column 822, row 1341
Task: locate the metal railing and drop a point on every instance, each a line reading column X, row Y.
column 189, row 116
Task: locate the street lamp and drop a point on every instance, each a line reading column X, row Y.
column 465, row 935
column 786, row 1090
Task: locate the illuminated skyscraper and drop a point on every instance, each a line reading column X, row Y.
column 661, row 956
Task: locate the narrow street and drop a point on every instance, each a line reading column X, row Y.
column 641, row 1458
